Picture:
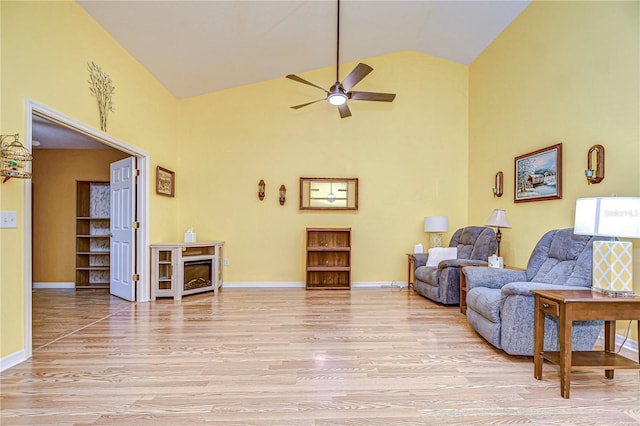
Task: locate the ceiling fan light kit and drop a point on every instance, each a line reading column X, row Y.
column 337, row 96
column 340, row 93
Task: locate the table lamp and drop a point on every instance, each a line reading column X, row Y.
column 435, row 225
column 612, row 260
column 498, row 219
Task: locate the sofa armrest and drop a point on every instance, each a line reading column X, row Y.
column 491, row 277
column 523, row 288
column 461, row 262
column 420, row 259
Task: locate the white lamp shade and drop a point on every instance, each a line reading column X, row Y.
column 608, row 217
column 498, row 219
column 436, row 224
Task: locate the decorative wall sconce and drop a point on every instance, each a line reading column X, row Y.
column 498, row 184
column 283, row 194
column 595, row 175
column 14, row 158
column 261, row 190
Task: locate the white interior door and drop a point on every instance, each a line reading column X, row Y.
column 123, row 195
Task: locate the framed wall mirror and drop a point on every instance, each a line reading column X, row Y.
column 328, row 193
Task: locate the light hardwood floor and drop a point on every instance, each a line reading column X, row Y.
column 57, row 313
column 296, row 357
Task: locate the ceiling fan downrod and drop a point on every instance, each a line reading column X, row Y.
column 341, row 92
column 338, row 47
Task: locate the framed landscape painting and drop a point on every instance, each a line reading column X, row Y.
column 538, row 175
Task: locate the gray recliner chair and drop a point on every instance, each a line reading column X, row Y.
column 500, row 305
column 441, row 283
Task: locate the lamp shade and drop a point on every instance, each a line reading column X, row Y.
column 498, row 219
column 436, row 224
column 608, row 217
column 612, row 260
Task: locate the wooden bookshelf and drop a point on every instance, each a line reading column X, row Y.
column 92, row 234
column 328, row 258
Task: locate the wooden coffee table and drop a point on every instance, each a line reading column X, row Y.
column 582, row 305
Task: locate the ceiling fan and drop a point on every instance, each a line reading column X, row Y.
column 341, row 92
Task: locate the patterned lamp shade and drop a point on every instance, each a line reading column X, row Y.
column 612, row 260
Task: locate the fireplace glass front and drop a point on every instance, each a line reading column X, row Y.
column 198, row 274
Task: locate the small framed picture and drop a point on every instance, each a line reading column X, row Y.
column 539, row 175
column 165, row 182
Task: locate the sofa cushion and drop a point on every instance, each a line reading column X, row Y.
column 474, row 242
column 553, row 271
column 438, row 254
column 486, row 302
column 427, row 274
column 567, row 246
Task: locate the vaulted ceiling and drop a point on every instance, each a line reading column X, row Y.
column 196, row 47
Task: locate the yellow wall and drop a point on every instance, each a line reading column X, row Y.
column 409, row 157
column 55, row 172
column 45, row 47
column 433, row 151
column 563, row 71
column 221, row 144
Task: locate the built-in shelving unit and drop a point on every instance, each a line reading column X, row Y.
column 92, row 234
column 328, row 258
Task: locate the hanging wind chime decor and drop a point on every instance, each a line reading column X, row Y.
column 102, row 88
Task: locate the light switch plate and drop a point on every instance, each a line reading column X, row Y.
column 8, row 220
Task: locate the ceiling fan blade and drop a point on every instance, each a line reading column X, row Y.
column 354, row 77
column 302, row 80
column 372, row 96
column 308, row 103
column 344, row 110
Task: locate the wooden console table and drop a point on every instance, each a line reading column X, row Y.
column 581, row 305
column 181, row 269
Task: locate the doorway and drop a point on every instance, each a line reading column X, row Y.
column 33, row 110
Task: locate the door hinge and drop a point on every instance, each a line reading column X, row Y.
column 135, row 277
column 136, row 172
column 135, row 225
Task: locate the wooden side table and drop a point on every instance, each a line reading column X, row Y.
column 410, row 264
column 463, row 290
column 581, row 305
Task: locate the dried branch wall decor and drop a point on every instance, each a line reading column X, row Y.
column 102, row 88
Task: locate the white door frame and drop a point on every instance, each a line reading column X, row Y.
column 143, row 290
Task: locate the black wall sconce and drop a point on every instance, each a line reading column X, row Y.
column 498, row 184
column 595, row 175
column 261, row 190
column 283, row 194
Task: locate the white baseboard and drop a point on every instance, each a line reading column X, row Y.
column 262, row 284
column 53, row 285
column 294, row 284
column 378, row 284
column 12, row 359
column 631, row 345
